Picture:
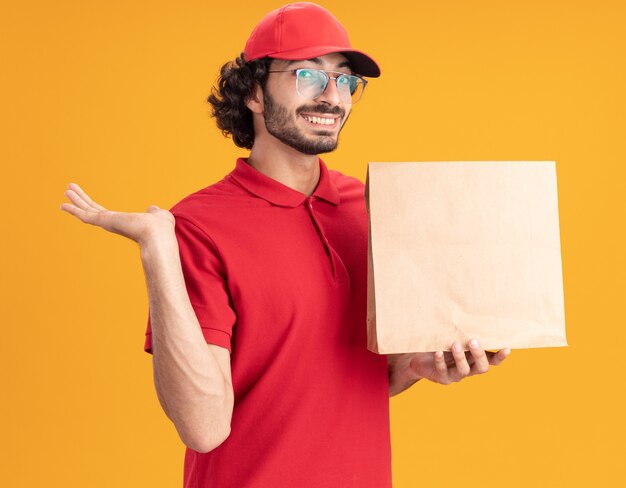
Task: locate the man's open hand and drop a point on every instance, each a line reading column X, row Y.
column 138, row 226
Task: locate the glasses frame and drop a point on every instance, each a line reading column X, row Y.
column 328, row 78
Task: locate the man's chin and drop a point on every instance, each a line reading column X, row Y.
column 323, row 141
column 325, row 133
column 316, row 147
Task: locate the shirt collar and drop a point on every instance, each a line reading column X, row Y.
column 277, row 193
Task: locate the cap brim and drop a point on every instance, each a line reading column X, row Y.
column 362, row 64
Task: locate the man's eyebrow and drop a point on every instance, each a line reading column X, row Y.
column 312, row 60
column 343, row 64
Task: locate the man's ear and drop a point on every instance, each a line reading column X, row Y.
column 255, row 102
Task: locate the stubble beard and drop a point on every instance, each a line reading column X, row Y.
column 279, row 123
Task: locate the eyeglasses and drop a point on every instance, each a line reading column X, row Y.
column 311, row 83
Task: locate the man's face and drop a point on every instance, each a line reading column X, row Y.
column 309, row 126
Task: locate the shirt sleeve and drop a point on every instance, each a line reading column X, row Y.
column 206, row 284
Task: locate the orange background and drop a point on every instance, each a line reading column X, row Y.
column 111, row 95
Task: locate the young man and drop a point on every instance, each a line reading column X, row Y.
column 257, row 283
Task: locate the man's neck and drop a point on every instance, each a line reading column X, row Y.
column 284, row 164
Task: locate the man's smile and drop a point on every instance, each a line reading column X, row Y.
column 328, row 121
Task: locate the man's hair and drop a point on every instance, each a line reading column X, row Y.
column 229, row 95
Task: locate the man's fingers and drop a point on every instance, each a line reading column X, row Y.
column 89, row 217
column 81, row 193
column 500, row 356
column 481, row 363
column 84, row 207
column 440, row 365
column 462, row 367
column 78, row 201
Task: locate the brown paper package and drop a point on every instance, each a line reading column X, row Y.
column 460, row 250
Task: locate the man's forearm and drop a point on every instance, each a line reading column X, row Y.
column 194, row 392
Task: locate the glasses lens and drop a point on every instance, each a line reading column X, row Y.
column 311, row 83
column 350, row 87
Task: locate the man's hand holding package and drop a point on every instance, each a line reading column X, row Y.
column 440, row 367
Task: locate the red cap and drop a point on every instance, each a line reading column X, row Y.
column 305, row 30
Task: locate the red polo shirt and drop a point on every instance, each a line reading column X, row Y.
column 280, row 280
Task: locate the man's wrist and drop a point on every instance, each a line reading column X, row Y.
column 401, row 375
column 159, row 242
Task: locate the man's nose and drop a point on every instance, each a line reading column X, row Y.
column 330, row 94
